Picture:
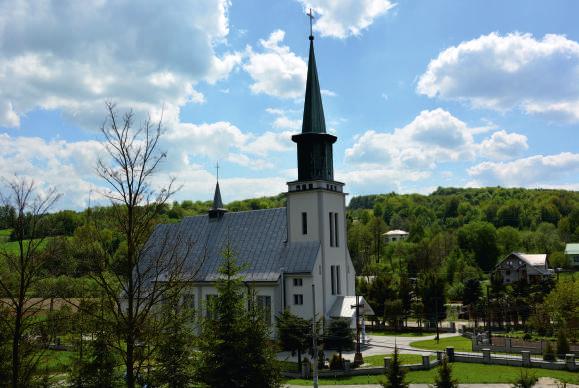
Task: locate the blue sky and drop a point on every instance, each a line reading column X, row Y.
column 420, row 93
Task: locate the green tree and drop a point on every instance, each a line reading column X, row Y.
column 294, row 334
column 444, row 378
column 233, row 349
column 394, row 313
column 175, row 359
column 562, row 344
column 395, row 375
column 23, row 270
column 339, row 336
column 98, row 366
column 480, row 238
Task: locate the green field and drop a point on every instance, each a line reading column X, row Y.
column 460, row 344
column 463, row 372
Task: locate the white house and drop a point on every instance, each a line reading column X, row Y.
column 283, row 251
column 572, row 254
column 395, row 235
column 523, row 266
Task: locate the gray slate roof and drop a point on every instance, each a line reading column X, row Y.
column 258, row 239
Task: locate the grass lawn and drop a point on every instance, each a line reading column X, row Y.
column 463, row 372
column 12, row 246
column 460, row 344
column 56, row 361
column 378, row 360
column 391, row 333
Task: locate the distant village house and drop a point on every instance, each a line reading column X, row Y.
column 532, row 268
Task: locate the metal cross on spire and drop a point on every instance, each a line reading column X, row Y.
column 217, row 169
column 311, row 16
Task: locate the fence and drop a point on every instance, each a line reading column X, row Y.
column 522, row 360
column 516, row 345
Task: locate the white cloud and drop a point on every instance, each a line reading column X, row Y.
column 71, row 56
column 344, row 18
column 432, row 137
column 276, row 71
column 503, row 145
column 512, row 71
column 69, row 167
column 533, row 171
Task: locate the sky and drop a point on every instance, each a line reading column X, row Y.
column 420, row 94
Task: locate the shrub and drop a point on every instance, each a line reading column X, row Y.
column 525, row 380
column 336, row 362
column 549, row 354
column 444, row 378
column 562, row 344
column 527, row 337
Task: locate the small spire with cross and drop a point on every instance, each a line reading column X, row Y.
column 311, row 16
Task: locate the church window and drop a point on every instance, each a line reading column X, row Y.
column 298, row 299
column 264, row 305
column 331, row 229
column 304, row 223
column 336, row 229
column 298, row 282
column 335, row 279
column 188, row 301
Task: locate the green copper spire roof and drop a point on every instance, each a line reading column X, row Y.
column 217, row 210
column 217, row 202
column 313, row 120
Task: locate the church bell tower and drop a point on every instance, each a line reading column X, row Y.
column 316, row 202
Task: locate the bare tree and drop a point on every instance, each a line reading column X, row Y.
column 151, row 268
column 23, row 270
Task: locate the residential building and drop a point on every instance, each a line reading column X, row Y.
column 517, row 266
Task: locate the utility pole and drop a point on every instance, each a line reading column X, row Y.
column 314, row 339
column 489, row 316
column 358, row 359
column 436, row 318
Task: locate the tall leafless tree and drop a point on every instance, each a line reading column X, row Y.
column 23, row 270
column 151, row 270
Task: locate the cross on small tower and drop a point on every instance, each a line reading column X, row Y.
column 311, row 16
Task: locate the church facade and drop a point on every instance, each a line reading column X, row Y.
column 294, row 257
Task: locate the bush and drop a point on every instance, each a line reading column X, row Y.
column 336, row 362
column 562, row 344
column 549, row 354
column 527, row 337
column 525, row 380
column 444, row 378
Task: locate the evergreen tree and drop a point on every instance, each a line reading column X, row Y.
column 562, row 344
column 444, row 378
column 395, row 374
column 294, row 334
column 234, row 345
column 97, row 369
column 175, row 357
column 339, row 336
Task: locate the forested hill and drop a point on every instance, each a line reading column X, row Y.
column 482, row 224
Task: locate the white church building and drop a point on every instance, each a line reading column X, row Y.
column 283, row 251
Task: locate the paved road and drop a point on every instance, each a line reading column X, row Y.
column 379, row 345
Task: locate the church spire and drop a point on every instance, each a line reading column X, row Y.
column 315, row 154
column 313, row 120
column 217, row 210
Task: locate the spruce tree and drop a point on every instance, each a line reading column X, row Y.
column 562, row 344
column 175, row 358
column 395, row 374
column 444, row 378
column 234, row 345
